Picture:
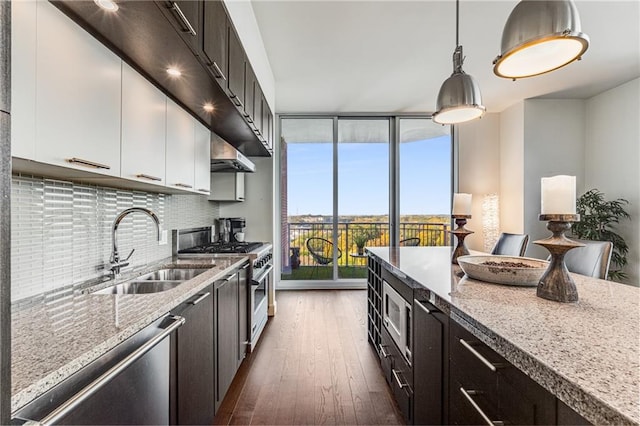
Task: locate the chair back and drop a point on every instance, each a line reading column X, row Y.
column 511, row 244
column 591, row 260
column 321, row 250
column 410, row 242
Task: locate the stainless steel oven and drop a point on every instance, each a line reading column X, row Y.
column 259, row 301
column 199, row 243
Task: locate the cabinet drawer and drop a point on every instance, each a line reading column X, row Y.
column 398, row 374
column 473, row 364
column 470, row 406
column 483, row 381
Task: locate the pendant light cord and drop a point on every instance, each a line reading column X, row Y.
column 457, row 22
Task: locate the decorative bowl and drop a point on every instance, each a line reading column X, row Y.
column 508, row 270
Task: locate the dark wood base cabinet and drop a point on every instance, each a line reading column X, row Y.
column 195, row 361
column 430, row 364
column 484, row 387
column 450, row 376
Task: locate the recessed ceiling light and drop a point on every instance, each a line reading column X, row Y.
column 108, row 5
column 174, row 72
column 208, row 107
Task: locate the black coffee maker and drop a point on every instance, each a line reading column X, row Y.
column 230, row 227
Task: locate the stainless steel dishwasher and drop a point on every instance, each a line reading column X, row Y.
column 127, row 385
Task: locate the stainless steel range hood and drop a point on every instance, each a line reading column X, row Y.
column 225, row 158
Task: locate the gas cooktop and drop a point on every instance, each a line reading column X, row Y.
column 243, row 247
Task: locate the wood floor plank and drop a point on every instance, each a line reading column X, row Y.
column 312, row 366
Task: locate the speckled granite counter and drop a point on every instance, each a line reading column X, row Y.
column 54, row 338
column 586, row 353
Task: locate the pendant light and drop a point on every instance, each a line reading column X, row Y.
column 539, row 37
column 459, row 99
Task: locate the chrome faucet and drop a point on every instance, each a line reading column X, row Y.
column 115, row 261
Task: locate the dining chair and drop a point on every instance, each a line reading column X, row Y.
column 415, row 241
column 511, row 244
column 592, row 260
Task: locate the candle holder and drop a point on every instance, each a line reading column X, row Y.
column 556, row 283
column 461, row 233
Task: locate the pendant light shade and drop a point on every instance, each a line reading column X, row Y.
column 459, row 99
column 539, row 37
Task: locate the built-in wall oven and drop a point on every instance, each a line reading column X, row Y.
column 397, row 318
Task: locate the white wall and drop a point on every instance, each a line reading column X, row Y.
column 553, row 145
column 612, row 158
column 258, row 205
column 511, row 169
column 479, row 169
column 244, row 19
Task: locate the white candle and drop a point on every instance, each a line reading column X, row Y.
column 558, row 195
column 461, row 204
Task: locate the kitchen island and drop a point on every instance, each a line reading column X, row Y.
column 55, row 335
column 585, row 353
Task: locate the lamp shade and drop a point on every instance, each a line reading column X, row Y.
column 459, row 99
column 539, row 37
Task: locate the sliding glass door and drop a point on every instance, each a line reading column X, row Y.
column 363, row 191
column 339, row 179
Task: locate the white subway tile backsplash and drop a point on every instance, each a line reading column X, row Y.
column 61, row 230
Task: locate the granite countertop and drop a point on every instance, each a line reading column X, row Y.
column 63, row 332
column 586, row 353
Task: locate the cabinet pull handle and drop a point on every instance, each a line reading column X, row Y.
column 204, row 190
column 143, row 176
column 383, row 352
column 230, row 277
column 59, row 413
column 184, row 185
column 236, row 100
column 218, row 71
column 467, row 395
column 424, row 308
column 200, row 299
column 486, row 362
column 88, row 163
column 183, row 18
column 396, row 375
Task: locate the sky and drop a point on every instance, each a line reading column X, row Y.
column 363, row 176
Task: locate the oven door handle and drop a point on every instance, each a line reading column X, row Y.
column 258, row 280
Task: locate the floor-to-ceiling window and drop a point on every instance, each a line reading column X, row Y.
column 425, row 152
column 349, row 182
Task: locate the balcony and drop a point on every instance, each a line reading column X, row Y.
column 301, row 265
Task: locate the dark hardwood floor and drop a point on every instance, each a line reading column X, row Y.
column 313, row 365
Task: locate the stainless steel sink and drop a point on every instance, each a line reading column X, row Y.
column 140, row 287
column 154, row 282
column 173, row 274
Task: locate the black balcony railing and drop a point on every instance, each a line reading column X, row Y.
column 376, row 234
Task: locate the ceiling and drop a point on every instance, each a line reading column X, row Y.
column 392, row 56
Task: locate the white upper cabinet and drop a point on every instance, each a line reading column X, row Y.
column 180, row 147
column 23, row 79
column 78, row 83
column 203, row 159
column 144, row 112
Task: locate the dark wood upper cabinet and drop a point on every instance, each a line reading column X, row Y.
column 257, row 109
column 236, row 69
column 265, row 119
column 214, row 43
column 249, row 93
column 185, row 16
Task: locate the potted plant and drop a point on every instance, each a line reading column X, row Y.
column 598, row 219
column 360, row 238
